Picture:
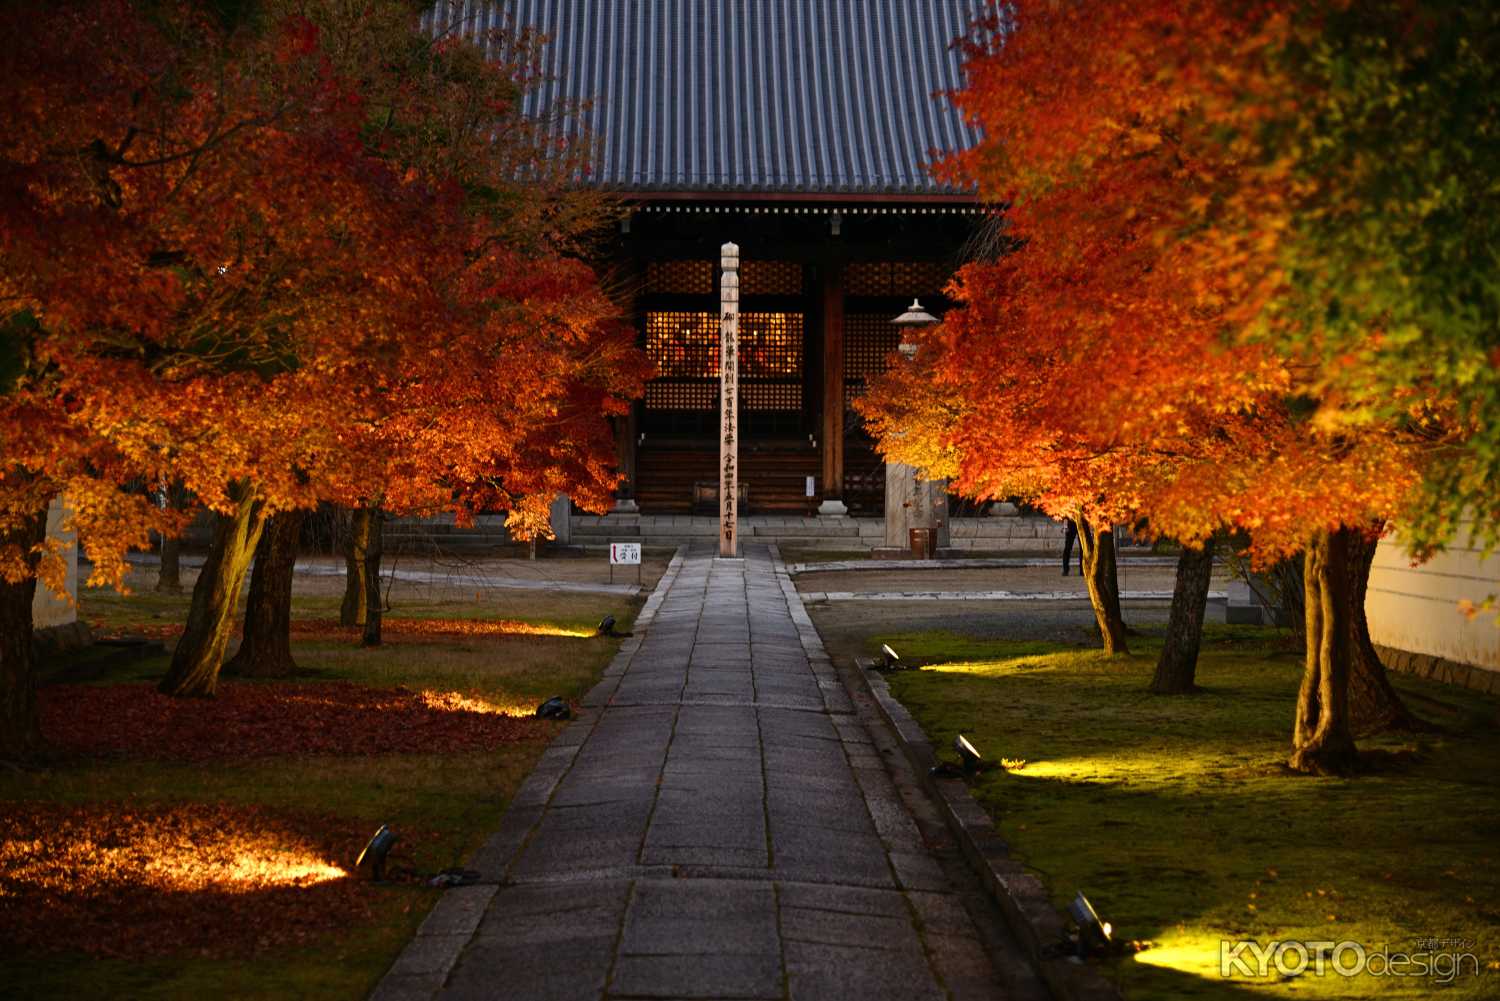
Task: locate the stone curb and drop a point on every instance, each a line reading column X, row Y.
column 835, row 697
column 1023, row 899
column 422, row 968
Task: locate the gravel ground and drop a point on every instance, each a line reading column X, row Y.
column 437, row 577
column 1048, row 578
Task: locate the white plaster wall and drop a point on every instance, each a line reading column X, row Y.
column 1417, row 608
column 47, row 609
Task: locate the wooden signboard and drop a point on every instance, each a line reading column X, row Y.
column 729, row 399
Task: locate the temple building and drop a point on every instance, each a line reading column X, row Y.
column 802, row 131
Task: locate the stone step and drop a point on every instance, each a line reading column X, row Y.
column 805, row 532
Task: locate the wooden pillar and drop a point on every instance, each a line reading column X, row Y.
column 627, row 426
column 729, row 397
column 832, row 280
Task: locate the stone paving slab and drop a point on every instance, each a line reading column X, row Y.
column 719, row 823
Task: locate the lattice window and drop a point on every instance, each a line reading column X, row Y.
column 771, row 345
column 770, row 278
column 680, row 277
column 895, row 278
column 869, row 339
column 683, row 344
column 771, row 396
column 663, row 394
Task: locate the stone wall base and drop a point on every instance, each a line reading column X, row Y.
column 53, row 641
column 1480, row 679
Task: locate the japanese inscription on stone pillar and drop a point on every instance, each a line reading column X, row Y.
column 729, row 399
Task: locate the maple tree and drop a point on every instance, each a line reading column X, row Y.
column 1151, row 349
column 286, row 253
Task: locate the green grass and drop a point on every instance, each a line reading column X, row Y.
column 448, row 802
column 1177, row 818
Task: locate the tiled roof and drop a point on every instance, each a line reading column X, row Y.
column 834, row 97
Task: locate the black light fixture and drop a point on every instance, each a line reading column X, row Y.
column 892, row 659
column 1095, row 937
column 970, row 758
column 376, row 849
column 554, row 708
column 606, row 626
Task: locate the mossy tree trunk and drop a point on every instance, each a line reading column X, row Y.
column 1322, row 739
column 352, row 611
column 374, row 549
column 1177, row 667
column 266, row 649
column 1102, row 577
column 200, row 653
column 1374, row 705
column 20, row 731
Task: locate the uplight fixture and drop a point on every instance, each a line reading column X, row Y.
column 1095, row 937
column 892, row 659
column 967, row 754
column 376, row 850
column 554, row 708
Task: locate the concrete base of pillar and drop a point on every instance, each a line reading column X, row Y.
column 832, row 508
column 912, row 502
column 562, row 520
column 626, row 505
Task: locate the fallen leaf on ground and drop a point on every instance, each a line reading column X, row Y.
column 125, row 879
column 249, row 720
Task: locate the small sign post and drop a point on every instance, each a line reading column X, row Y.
column 624, row 554
column 729, row 399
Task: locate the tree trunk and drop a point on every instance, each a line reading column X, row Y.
column 352, row 611
column 374, row 548
column 1374, row 705
column 266, row 650
column 200, row 652
column 1179, row 657
column 1099, row 572
column 20, row 732
column 1322, row 741
column 169, row 576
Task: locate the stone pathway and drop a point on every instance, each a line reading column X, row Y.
column 720, row 822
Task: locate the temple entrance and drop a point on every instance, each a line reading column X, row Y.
column 677, row 448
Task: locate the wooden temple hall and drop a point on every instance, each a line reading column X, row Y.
column 800, row 130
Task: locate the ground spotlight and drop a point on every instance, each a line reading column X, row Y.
column 554, row 708
column 606, row 626
column 376, row 850
column 970, row 758
column 892, row 659
column 1094, row 936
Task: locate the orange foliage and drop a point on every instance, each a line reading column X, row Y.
column 297, row 255
column 1108, row 363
